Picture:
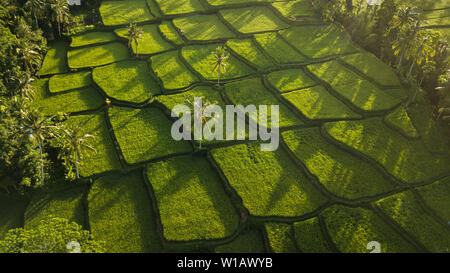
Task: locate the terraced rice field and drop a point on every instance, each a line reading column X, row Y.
column 353, row 166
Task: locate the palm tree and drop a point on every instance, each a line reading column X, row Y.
column 26, row 88
column 36, row 7
column 37, row 130
column 201, row 116
column 134, row 34
column 75, row 145
column 60, row 12
column 30, row 54
column 220, row 62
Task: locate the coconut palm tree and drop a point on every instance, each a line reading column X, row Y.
column 60, row 12
column 37, row 130
column 30, row 54
column 201, row 116
column 75, row 145
column 36, row 7
column 220, row 62
column 134, row 34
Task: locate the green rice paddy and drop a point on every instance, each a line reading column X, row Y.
column 354, row 165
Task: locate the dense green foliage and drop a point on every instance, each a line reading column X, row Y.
column 52, row 235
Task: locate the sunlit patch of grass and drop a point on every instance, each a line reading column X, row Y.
column 91, row 38
column 201, row 58
column 319, row 41
column 253, row 20
column 269, row 183
column 123, row 12
column 127, row 81
column 105, row 157
column 191, row 200
column 317, row 103
column 97, row 55
column 247, row 49
column 309, row 237
column 400, row 120
column 340, row 172
column 121, row 215
column 71, row 102
column 408, row 160
column 203, row 27
column 253, row 92
column 280, row 238
column 278, row 49
column 150, row 42
column 171, row 71
column 144, row 134
column 404, row 209
column 351, row 229
column 65, row 82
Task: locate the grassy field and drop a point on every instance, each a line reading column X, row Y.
column 400, row 120
column 170, row 33
column 11, row 213
column 201, row 57
column 294, row 9
column 151, row 41
column 319, row 41
column 408, row 160
column 121, row 214
column 92, row 38
column 268, row 182
column 252, row 91
column 360, row 92
column 171, row 7
column 171, row 71
column 436, row 197
column 127, row 81
column 69, row 102
column 124, row 12
column 191, row 200
column 64, row 201
column 105, row 157
column 352, row 229
column 290, row 80
column 309, row 237
column 55, row 61
column 317, row 103
column 253, row 20
column 248, row 50
column 70, row 81
column 203, row 27
column 280, row 238
column 278, row 48
column 97, row 55
column 341, row 173
column 347, row 141
column 406, row 212
column 144, row 134
column 249, row 242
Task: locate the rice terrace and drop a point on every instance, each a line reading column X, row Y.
column 362, row 94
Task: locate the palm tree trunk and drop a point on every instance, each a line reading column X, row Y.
column 411, row 69
column 35, row 18
column 42, row 163
column 218, row 77
column 76, row 165
column 59, row 28
column 137, row 54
